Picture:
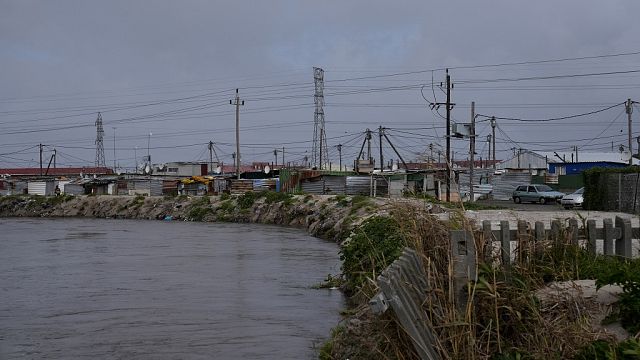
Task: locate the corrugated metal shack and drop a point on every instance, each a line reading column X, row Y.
column 13, row 187
column 41, row 187
column 149, row 187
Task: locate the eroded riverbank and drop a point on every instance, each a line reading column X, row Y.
column 327, row 217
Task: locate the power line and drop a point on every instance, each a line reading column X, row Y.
column 550, row 119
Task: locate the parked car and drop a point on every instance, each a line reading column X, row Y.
column 536, row 193
column 574, row 199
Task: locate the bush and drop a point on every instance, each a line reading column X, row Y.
column 272, row 196
column 370, row 249
column 600, row 349
column 247, row 199
column 198, row 213
column 626, row 275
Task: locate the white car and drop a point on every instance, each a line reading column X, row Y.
column 574, row 199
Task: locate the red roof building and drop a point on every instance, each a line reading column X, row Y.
column 66, row 171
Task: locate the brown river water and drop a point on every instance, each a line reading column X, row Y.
column 125, row 289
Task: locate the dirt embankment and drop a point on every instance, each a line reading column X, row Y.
column 328, row 217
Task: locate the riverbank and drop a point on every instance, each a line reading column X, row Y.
column 323, row 216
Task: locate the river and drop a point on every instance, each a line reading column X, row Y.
column 122, row 289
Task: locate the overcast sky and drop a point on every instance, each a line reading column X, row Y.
column 170, row 67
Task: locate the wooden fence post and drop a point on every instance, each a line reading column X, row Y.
column 573, row 231
column 488, row 240
column 505, row 243
column 623, row 243
column 609, row 236
column 522, row 237
column 463, row 255
column 540, row 231
column 556, row 232
column 591, row 236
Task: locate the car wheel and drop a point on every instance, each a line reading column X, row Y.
column 542, row 201
column 516, row 200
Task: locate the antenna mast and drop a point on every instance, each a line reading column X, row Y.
column 99, row 145
column 319, row 155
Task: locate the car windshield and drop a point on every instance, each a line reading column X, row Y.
column 542, row 188
column 579, row 191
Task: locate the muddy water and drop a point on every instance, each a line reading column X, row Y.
column 78, row 288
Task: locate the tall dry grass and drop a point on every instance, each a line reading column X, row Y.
column 500, row 317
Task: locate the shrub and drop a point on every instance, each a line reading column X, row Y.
column 272, row 196
column 370, row 249
column 247, row 199
column 198, row 213
column 626, row 275
column 600, row 349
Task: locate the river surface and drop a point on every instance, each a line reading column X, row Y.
column 125, row 289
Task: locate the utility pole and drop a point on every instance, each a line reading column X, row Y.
column 493, row 138
column 55, row 158
column 339, row 146
column 135, row 155
column 448, row 158
column 114, row 149
column 283, row 157
column 210, row 156
column 489, row 154
column 381, row 158
column 40, row 159
column 629, row 109
column 472, row 150
column 368, row 138
column 430, row 154
column 320, row 152
column 275, row 155
column 237, row 102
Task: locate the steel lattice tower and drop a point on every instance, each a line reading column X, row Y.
column 319, row 155
column 99, row 146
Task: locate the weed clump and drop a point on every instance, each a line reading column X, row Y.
column 247, row 199
column 370, row 249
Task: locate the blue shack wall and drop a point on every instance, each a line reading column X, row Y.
column 578, row 168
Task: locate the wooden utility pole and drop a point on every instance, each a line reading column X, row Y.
column 489, row 154
column 472, row 150
column 339, row 146
column 283, row 156
column 629, row 110
column 493, row 138
column 448, row 155
column 40, row 159
column 381, row 158
column 237, row 103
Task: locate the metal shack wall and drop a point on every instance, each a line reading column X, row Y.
column 44, row 188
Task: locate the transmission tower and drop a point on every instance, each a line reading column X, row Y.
column 99, row 146
column 319, row 153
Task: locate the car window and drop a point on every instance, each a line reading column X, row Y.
column 532, row 189
column 580, row 191
column 521, row 188
column 542, row 188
